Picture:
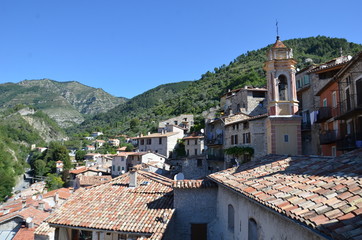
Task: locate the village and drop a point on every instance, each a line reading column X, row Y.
column 279, row 162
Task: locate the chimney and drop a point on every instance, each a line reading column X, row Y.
column 56, row 198
column 133, row 178
column 23, row 203
column 41, row 205
column 148, row 133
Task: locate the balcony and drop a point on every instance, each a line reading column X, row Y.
column 350, row 142
column 214, row 154
column 328, row 137
column 324, row 113
column 350, row 105
column 215, row 141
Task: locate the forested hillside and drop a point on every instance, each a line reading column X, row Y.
column 142, row 113
column 20, row 127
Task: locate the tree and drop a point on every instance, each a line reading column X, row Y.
column 79, row 155
column 40, row 167
column 53, row 181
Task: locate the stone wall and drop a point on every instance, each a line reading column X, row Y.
column 193, row 205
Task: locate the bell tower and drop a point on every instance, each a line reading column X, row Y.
column 283, row 126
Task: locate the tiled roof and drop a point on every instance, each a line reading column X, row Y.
column 44, row 229
column 24, row 234
column 154, row 135
column 85, row 169
column 114, row 206
column 204, row 183
column 63, row 193
column 37, row 215
column 247, row 119
column 323, row 193
column 279, row 44
column 92, row 180
column 193, row 137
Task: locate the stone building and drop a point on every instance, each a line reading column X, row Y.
column 275, row 197
column 163, row 142
column 123, row 161
column 185, row 121
column 194, row 145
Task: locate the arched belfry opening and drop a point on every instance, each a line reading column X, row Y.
column 283, row 87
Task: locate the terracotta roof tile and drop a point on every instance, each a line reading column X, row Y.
column 117, row 207
column 321, row 192
column 205, row 183
column 24, row 234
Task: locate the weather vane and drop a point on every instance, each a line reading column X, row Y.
column 276, row 23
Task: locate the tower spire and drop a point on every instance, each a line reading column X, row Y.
column 277, row 26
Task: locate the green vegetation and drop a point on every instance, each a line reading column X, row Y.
column 143, row 112
column 237, row 151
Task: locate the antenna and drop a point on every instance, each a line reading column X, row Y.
column 277, row 26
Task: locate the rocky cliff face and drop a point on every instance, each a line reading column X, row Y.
column 66, row 102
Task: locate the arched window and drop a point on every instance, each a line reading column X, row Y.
column 282, row 87
column 231, row 220
column 253, row 233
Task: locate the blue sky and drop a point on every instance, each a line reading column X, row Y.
column 128, row 47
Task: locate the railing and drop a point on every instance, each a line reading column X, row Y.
column 324, row 113
column 214, row 154
column 349, row 104
column 215, row 141
column 349, row 142
column 328, row 137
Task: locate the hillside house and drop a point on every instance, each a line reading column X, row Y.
column 245, row 131
column 349, row 80
column 114, row 142
column 163, row 143
column 123, row 161
column 194, row 145
column 96, row 134
column 59, row 166
column 184, row 121
column 99, row 143
column 90, row 148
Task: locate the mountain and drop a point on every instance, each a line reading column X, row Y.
column 198, row 96
column 20, row 128
column 134, row 109
column 68, row 103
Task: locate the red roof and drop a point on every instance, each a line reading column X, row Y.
column 323, row 193
column 25, row 234
column 204, row 183
column 279, row 44
column 146, row 209
column 63, row 193
column 37, row 215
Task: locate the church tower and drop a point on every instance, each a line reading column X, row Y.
column 282, row 125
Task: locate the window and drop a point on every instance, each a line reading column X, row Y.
column 195, row 141
column 359, row 92
column 334, row 99
column 114, row 168
column 325, row 103
column 246, row 138
column 188, row 142
column 142, row 142
column 283, row 87
column 148, row 141
column 232, row 139
column 122, row 168
column 231, row 217
column 246, row 125
column 258, row 94
column 199, row 162
column 195, row 151
column 306, row 79
column 253, row 233
column 334, row 152
column 119, row 168
column 175, row 122
column 286, row 138
column 160, row 140
column 236, row 139
column 188, row 152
